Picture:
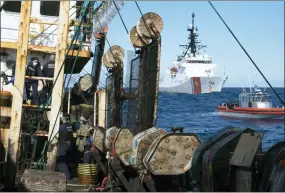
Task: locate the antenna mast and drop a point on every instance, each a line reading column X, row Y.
column 193, row 44
column 249, row 84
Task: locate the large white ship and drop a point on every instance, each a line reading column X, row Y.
column 193, row 72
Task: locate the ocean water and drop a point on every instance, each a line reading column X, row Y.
column 198, row 114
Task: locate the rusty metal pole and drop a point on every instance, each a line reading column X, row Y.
column 17, row 103
column 57, row 93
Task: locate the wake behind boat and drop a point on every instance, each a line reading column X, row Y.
column 252, row 105
column 192, row 73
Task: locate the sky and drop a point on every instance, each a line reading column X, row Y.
column 259, row 26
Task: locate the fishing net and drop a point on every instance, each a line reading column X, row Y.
column 105, row 12
column 132, row 102
column 148, row 86
column 113, row 106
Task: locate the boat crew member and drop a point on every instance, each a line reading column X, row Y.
column 12, row 80
column 33, row 69
column 83, row 141
column 48, row 68
column 250, row 104
column 89, row 147
column 48, row 71
column 65, row 137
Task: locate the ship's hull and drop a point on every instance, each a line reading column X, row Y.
column 194, row 85
column 257, row 113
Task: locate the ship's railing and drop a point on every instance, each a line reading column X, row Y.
column 43, row 30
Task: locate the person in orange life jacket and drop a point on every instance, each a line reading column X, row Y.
column 48, row 71
column 65, row 137
column 33, row 69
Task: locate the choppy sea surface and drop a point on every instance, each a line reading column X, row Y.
column 198, row 114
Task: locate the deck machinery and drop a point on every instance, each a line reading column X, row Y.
column 139, row 156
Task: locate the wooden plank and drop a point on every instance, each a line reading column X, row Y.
column 9, row 45
column 41, row 133
column 102, row 108
column 57, row 93
column 38, row 48
column 39, row 21
column 4, row 140
column 16, row 113
column 46, row 49
column 5, row 111
column 82, row 54
column 246, row 149
column 38, row 78
column 35, row 106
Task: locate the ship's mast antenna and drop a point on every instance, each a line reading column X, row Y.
column 193, row 37
column 192, row 44
column 249, row 84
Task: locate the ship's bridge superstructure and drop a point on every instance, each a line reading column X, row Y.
column 200, row 65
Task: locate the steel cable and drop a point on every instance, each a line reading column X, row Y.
column 107, row 42
column 123, row 22
column 83, row 13
column 247, row 54
column 45, row 29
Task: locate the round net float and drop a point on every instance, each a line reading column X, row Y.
column 115, row 55
column 136, row 39
column 149, row 25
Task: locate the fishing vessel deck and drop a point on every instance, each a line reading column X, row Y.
column 133, row 156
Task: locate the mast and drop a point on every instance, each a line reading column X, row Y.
column 193, row 43
column 193, row 37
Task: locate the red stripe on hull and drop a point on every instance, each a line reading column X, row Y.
column 261, row 111
column 196, row 84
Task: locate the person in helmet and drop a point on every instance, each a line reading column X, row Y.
column 65, row 137
column 48, row 68
column 48, row 71
column 89, row 147
column 33, row 69
column 84, row 139
column 82, row 134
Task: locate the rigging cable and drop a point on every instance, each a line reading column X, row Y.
column 247, row 54
column 62, row 65
column 121, row 17
column 49, row 95
column 83, row 12
column 123, row 22
column 47, row 99
column 145, row 23
column 107, row 43
column 45, row 29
